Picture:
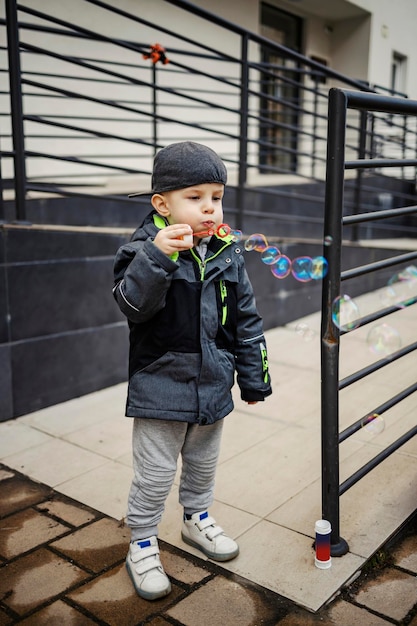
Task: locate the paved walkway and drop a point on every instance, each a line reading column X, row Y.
column 67, row 472
column 62, row 562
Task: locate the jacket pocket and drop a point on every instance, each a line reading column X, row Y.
column 227, row 368
column 168, row 384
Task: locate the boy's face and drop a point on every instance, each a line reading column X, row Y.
column 200, row 206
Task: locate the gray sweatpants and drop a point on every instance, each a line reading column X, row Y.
column 157, row 445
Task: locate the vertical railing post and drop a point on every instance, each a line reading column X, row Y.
column 154, row 110
column 404, row 144
column 315, row 114
column 2, row 209
column 363, row 124
column 372, row 141
column 243, row 141
column 16, row 109
column 330, row 336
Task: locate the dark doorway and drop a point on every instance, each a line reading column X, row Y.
column 279, row 91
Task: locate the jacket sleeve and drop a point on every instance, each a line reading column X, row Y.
column 250, row 352
column 142, row 277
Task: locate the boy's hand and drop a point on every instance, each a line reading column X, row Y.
column 170, row 239
column 251, row 402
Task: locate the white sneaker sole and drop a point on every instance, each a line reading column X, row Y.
column 228, row 556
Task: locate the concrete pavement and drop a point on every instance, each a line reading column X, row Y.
column 62, row 562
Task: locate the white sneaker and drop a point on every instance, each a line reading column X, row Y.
column 202, row 532
column 145, row 569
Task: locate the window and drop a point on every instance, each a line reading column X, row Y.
column 279, row 90
column 398, row 74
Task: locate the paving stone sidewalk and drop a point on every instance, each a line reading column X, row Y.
column 62, row 563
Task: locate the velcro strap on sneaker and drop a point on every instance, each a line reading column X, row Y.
column 210, row 524
column 204, row 523
column 214, row 531
column 143, row 553
column 145, row 566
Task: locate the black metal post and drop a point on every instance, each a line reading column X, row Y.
column 359, row 173
column 315, row 114
column 404, row 144
column 154, row 110
column 372, row 144
column 2, row 211
column 243, row 140
column 330, row 334
column 16, row 109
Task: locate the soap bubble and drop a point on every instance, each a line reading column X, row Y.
column 388, row 296
column 401, row 288
column 319, row 267
column 304, row 331
column 328, row 240
column 373, row 423
column 281, row 267
column 236, row 235
column 383, row 339
column 301, row 268
column 256, row 242
column 345, row 313
column 270, row 255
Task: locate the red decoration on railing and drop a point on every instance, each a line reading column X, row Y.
column 157, row 53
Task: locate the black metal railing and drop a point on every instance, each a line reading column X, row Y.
column 340, row 102
column 87, row 110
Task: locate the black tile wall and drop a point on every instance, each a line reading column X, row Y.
column 4, row 335
column 32, row 244
column 61, row 332
column 53, row 369
column 4, row 310
column 54, row 297
column 6, row 392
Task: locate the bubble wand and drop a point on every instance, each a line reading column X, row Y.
column 222, row 231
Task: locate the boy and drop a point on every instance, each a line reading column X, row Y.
column 193, row 322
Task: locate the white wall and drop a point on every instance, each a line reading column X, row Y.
column 393, row 29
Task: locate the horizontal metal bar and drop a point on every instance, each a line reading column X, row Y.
column 374, row 367
column 63, row 32
column 378, row 215
column 377, row 315
column 89, row 131
column 372, row 163
column 365, row 469
column 378, row 265
column 56, row 189
column 380, row 103
column 382, row 408
column 71, row 159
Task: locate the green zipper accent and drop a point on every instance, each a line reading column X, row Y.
column 264, row 358
column 223, row 295
column 202, row 264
